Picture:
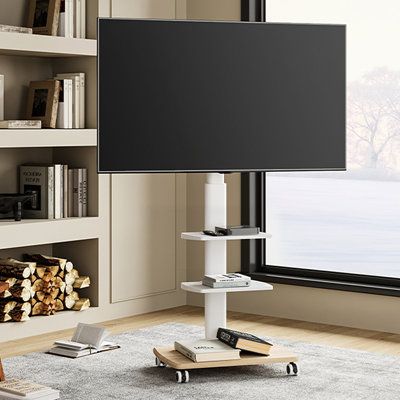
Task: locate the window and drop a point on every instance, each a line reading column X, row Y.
column 344, row 226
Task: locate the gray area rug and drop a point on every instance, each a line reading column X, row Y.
column 129, row 373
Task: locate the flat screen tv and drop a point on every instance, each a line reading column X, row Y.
column 193, row 96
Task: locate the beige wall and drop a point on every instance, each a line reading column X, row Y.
column 295, row 302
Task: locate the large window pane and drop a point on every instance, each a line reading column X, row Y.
column 347, row 221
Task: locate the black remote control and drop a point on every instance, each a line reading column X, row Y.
column 212, row 233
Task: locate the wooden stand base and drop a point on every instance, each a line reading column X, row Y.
column 168, row 356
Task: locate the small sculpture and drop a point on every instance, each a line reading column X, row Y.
column 11, row 204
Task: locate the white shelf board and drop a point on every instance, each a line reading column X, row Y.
column 22, row 44
column 30, row 232
column 13, row 138
column 198, row 287
column 202, row 237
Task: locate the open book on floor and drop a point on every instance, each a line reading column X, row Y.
column 87, row 340
column 21, row 389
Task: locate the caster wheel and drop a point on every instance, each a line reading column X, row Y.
column 178, row 376
column 295, row 369
column 159, row 363
column 182, row 376
column 292, row 367
column 186, row 376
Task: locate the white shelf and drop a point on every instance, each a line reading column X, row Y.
column 22, row 44
column 198, row 287
column 13, row 138
column 31, row 232
column 202, row 237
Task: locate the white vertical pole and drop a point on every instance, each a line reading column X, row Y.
column 215, row 252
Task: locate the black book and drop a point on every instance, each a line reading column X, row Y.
column 244, row 341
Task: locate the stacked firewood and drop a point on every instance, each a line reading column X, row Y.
column 40, row 285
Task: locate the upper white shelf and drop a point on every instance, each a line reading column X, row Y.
column 30, row 232
column 22, row 44
column 13, row 138
column 202, row 237
column 198, row 287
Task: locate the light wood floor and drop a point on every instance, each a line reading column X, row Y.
column 373, row 341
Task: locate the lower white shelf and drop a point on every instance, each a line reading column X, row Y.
column 30, row 232
column 198, row 287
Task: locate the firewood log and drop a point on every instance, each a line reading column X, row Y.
column 61, row 297
column 70, row 300
column 74, row 272
column 62, row 262
column 44, row 309
column 26, row 306
column 14, row 270
column 69, row 289
column 5, row 317
column 5, row 294
column 19, row 315
column 46, row 273
column 60, row 284
column 61, row 274
column 59, row 305
column 37, row 286
column 82, row 282
column 81, row 304
column 44, row 298
column 69, row 278
column 18, row 282
column 6, row 306
column 10, row 281
column 20, row 292
column 31, row 265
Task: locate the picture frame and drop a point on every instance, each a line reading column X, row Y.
column 43, row 102
column 43, row 16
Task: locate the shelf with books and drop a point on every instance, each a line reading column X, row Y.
column 45, row 46
column 29, row 232
column 20, row 138
column 200, row 236
column 198, row 287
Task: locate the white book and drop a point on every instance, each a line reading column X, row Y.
column 1, row 97
column 86, row 351
column 23, row 389
column 77, row 24
column 76, row 86
column 61, row 20
column 71, row 193
column 65, row 189
column 206, row 350
column 57, row 190
column 50, row 395
column 50, row 193
column 83, row 19
column 62, row 192
column 69, row 9
column 68, row 101
column 232, row 277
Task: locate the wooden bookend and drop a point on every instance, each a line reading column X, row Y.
column 2, row 377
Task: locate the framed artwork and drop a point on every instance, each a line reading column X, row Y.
column 43, row 102
column 43, row 16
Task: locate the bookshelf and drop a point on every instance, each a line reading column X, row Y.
column 25, row 58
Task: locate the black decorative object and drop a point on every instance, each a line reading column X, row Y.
column 11, row 204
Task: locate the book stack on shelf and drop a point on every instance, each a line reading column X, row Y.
column 60, row 192
column 87, row 340
column 40, row 285
column 72, row 20
column 21, row 389
column 226, row 280
column 228, row 346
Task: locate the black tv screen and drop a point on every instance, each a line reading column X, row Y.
column 198, row 96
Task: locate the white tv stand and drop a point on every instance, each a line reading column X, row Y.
column 215, row 299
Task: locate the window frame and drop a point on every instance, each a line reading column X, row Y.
column 253, row 262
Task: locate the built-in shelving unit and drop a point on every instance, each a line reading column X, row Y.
column 25, row 58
